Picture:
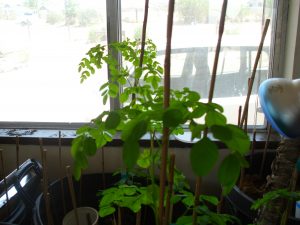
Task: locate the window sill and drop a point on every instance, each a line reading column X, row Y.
column 50, row 137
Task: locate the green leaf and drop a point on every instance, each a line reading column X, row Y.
column 129, row 190
column 89, row 146
column 228, row 173
column 113, row 90
column 196, row 129
column 144, row 160
column 222, row 133
column 199, row 111
column 184, row 220
column 211, row 199
column 124, row 97
column 216, row 106
column 172, row 117
column 113, row 120
column 131, row 152
column 105, row 211
column 134, row 130
column 203, row 156
column 239, row 142
column 193, row 96
column 215, row 118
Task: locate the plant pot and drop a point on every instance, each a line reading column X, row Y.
column 86, row 216
column 86, row 192
column 238, row 203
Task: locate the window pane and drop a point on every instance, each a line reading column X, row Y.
column 195, row 33
column 41, row 45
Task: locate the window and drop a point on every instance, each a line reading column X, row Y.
column 42, row 42
column 195, row 33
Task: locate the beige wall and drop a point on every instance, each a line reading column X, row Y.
column 113, row 161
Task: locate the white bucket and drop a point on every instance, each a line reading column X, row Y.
column 83, row 212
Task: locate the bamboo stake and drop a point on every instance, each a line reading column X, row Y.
column 196, row 200
column 218, row 48
column 4, row 180
column 144, row 33
column 167, row 84
column 263, row 161
column 61, row 173
column 239, row 116
column 244, row 115
column 138, row 218
column 253, row 146
column 210, row 96
column 143, row 42
column 103, row 169
column 41, row 149
column 72, row 192
column 168, row 215
column 45, row 187
column 119, row 216
column 17, row 151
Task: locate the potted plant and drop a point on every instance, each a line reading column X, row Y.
column 143, row 114
column 278, row 169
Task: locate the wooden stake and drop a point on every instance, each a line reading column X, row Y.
column 45, row 187
column 61, row 173
column 119, row 216
column 17, row 151
column 253, row 146
column 196, row 200
column 218, row 48
column 4, row 180
column 245, row 111
column 167, row 84
column 103, row 169
column 263, row 161
column 72, row 192
column 210, row 96
column 138, row 218
column 239, row 116
column 143, row 42
column 41, row 149
column 168, row 215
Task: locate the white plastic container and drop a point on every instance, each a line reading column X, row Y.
column 297, row 210
column 83, row 212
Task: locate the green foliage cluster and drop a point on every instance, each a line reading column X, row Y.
column 272, row 195
column 145, row 115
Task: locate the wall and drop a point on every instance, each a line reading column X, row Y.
column 113, row 162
